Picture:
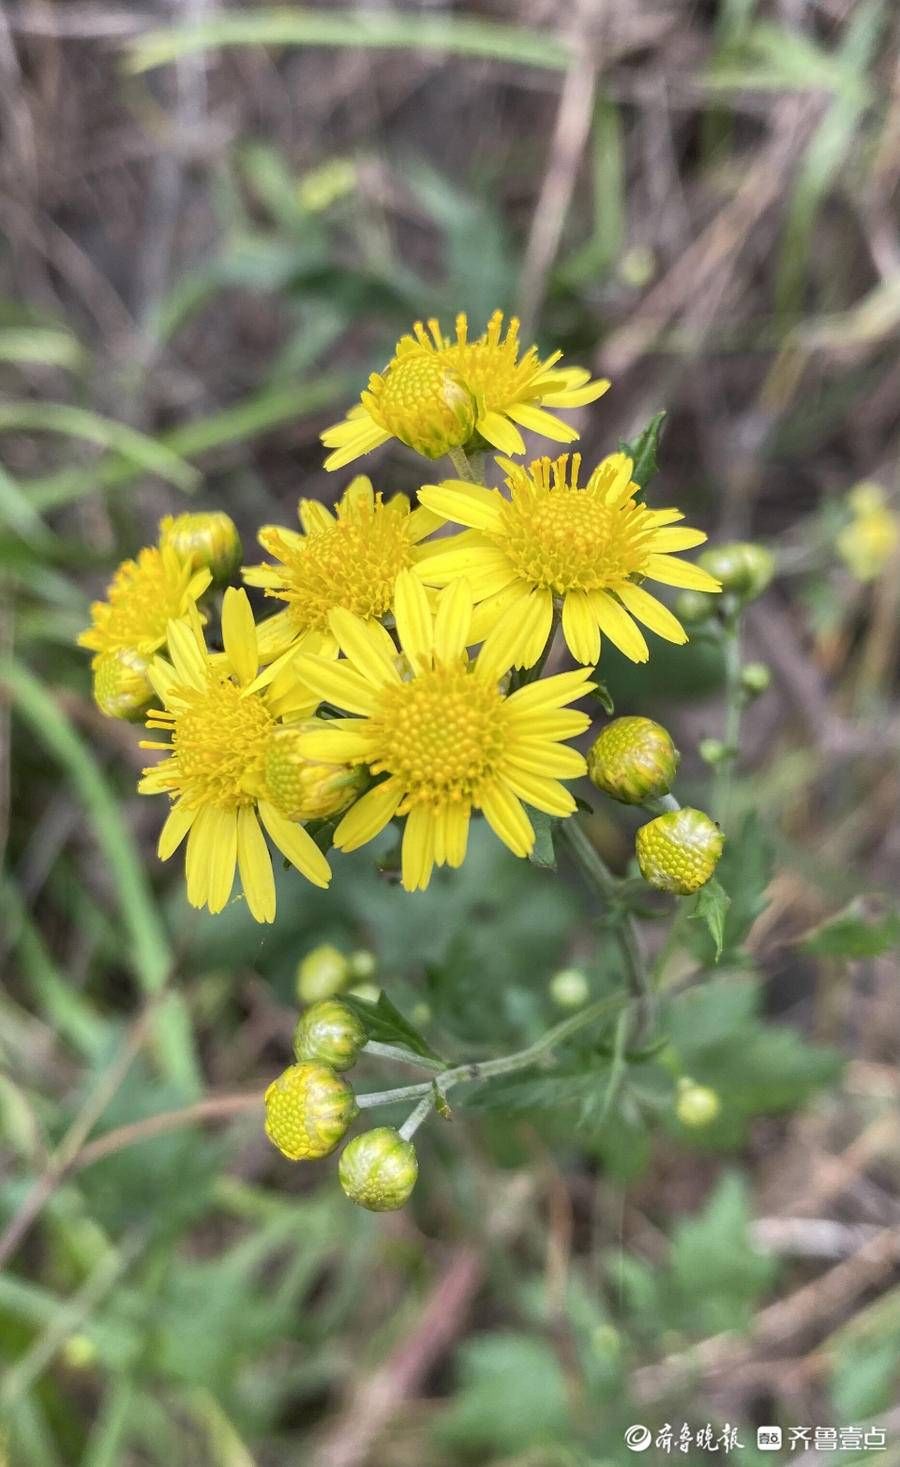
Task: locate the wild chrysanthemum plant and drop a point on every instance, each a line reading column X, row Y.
column 403, row 681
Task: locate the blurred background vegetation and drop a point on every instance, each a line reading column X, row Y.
column 215, row 221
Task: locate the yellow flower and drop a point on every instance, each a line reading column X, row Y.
column 220, row 725
column 446, row 737
column 142, row 598
column 554, row 541
column 438, row 393
column 349, row 559
column 870, row 540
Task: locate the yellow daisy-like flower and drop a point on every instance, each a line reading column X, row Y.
column 446, row 737
column 141, row 599
column 439, row 393
column 349, row 559
column 554, row 541
column 220, row 727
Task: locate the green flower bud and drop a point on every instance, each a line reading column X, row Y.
column 743, row 568
column 305, row 789
column 679, row 851
column 363, row 965
column 209, row 540
column 696, row 1105
column 569, row 988
column 424, row 403
column 121, row 686
column 712, row 751
column 308, row 1110
column 755, row 678
column 695, row 607
column 322, row 973
column 378, row 1169
column 330, row 1032
column 633, row 760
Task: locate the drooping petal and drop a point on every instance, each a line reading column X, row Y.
column 255, row 866
column 223, row 857
column 453, row 621
column 417, row 853
column 542, row 422
column 681, row 573
column 580, row 628
column 178, row 822
column 504, row 814
column 368, row 817
column 652, row 613
column 616, row 624
column 297, row 844
column 498, row 430
column 543, row 793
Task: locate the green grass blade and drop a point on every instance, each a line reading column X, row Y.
column 150, row 954
column 64, row 1008
column 379, row 30
column 147, row 454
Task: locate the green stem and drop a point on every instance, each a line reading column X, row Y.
column 507, row 1064
column 662, row 805
column 416, row 1117
column 459, row 459
column 402, row 1056
column 601, row 878
column 734, row 700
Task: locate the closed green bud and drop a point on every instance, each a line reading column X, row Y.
column 696, row 1105
column 209, row 541
column 122, row 688
column 679, row 851
column 308, row 1110
column 633, row 760
column 378, row 1169
column 755, row 678
column 712, row 751
column 694, row 607
column 569, row 988
column 330, row 1032
column 744, row 569
column 322, row 973
column 363, row 965
column 306, row 789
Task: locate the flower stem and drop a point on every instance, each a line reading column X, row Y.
column 594, row 868
column 734, row 701
column 416, row 1117
column 402, row 1056
column 460, row 461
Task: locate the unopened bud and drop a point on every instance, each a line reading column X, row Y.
column 424, row 403
column 121, row 686
column 755, row 678
column 308, row 1110
column 633, row 759
column 363, row 965
column 302, row 788
column 331, row 1032
column 696, row 1105
column 209, row 540
column 569, row 988
column 679, row 851
column 744, row 569
column 694, row 607
column 322, row 973
column 712, row 751
column 378, row 1169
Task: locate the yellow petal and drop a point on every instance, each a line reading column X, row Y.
column 417, row 855
column 189, row 661
column 337, row 683
column 673, row 572
column 415, row 624
column 223, row 857
column 540, row 422
column 297, row 844
column 456, row 834
column 498, row 430
column 513, row 637
column 652, row 613
column 551, row 692
column 618, row 626
column 580, row 628
column 367, row 646
column 255, row 866
column 544, row 794
column 539, row 756
column 504, row 814
column 239, row 635
column 461, row 503
column 672, row 540
column 314, row 516
column 368, row 817
column 178, row 822
column 453, row 621
column 198, row 857
column 339, row 741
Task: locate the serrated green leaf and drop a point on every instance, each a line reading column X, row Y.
column 642, row 450
column 851, row 933
column 711, row 905
column 385, row 1023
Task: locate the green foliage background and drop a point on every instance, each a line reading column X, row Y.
column 211, row 232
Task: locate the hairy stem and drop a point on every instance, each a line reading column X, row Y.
column 734, row 701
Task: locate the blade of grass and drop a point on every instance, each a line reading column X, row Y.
column 105, row 1447
column 456, row 35
column 150, row 954
column 45, row 346
column 247, row 419
column 148, row 455
column 65, row 1009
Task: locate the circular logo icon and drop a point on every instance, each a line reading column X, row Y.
column 638, row 1438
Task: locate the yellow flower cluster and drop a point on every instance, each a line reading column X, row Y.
column 402, row 677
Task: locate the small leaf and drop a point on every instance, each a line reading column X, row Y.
column 853, row 933
column 643, row 451
column 385, row 1023
column 711, row 905
column 543, row 853
column 603, row 696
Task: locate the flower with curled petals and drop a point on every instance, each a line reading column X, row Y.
column 585, row 549
column 439, row 393
column 444, row 740
column 220, row 730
